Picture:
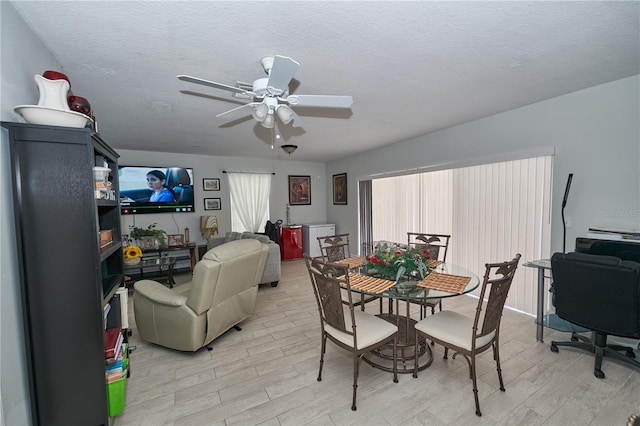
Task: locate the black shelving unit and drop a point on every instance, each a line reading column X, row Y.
column 66, row 277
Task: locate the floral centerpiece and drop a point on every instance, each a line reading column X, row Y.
column 132, row 255
column 395, row 261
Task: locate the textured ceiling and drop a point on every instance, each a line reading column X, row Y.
column 411, row 67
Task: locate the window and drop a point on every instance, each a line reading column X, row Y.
column 249, row 201
column 491, row 211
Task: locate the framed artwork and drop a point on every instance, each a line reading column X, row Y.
column 211, row 184
column 175, row 240
column 299, row 190
column 340, row 188
column 150, row 243
column 212, row 204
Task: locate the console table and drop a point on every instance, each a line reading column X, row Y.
column 157, row 262
column 165, row 251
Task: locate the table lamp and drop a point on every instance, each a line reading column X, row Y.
column 208, row 226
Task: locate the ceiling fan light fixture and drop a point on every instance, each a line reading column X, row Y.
column 289, row 149
column 269, row 120
column 285, row 114
column 260, row 112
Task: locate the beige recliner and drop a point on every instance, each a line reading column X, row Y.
column 223, row 293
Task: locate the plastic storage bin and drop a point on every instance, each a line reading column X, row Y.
column 117, row 390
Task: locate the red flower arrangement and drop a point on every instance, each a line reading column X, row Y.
column 394, row 261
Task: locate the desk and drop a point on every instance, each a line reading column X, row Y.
column 542, row 265
column 409, row 291
column 548, row 320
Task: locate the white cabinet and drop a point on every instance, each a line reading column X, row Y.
column 310, row 234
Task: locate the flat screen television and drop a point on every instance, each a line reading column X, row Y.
column 142, row 189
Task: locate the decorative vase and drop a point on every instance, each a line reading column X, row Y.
column 53, row 93
column 132, row 261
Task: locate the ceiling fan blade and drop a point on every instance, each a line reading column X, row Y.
column 216, row 85
column 237, row 109
column 283, row 70
column 327, row 101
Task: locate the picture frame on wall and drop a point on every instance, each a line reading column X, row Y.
column 211, row 184
column 340, row 189
column 212, row 204
column 299, row 190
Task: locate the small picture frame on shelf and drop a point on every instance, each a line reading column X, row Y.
column 175, row 240
column 212, row 204
column 211, row 184
column 150, row 243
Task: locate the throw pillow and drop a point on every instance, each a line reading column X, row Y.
column 232, row 236
column 262, row 238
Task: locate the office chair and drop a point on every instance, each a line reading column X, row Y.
column 602, row 294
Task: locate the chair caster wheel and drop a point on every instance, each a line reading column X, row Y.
column 553, row 347
column 574, row 338
column 630, row 353
column 598, row 373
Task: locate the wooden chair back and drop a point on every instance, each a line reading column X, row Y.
column 334, row 247
column 497, row 280
column 327, row 279
column 437, row 244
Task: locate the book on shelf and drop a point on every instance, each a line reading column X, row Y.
column 114, row 365
column 115, row 374
column 113, row 339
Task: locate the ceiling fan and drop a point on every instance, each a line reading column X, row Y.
column 271, row 96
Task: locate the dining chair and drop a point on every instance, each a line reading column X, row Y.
column 334, row 248
column 471, row 336
column 437, row 245
column 356, row 331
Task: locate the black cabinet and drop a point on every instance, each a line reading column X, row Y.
column 66, row 276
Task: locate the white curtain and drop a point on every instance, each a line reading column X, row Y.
column 249, row 201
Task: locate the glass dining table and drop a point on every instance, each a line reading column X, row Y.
column 444, row 281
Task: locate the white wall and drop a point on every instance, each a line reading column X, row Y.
column 212, row 167
column 23, row 56
column 595, row 133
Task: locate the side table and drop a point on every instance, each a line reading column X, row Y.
column 548, row 320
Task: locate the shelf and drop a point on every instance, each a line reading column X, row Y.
column 60, row 290
column 109, row 249
column 110, row 286
column 106, row 203
column 554, row 322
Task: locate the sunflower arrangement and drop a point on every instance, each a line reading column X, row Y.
column 132, row 252
column 394, row 261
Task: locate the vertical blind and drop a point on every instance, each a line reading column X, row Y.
column 491, row 211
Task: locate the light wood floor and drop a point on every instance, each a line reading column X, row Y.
column 266, row 375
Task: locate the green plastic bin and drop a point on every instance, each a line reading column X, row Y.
column 117, row 389
column 116, row 392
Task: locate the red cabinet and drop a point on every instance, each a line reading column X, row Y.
column 291, row 242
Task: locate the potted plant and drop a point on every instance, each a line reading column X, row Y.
column 138, row 234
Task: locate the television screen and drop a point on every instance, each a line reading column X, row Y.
column 155, row 189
